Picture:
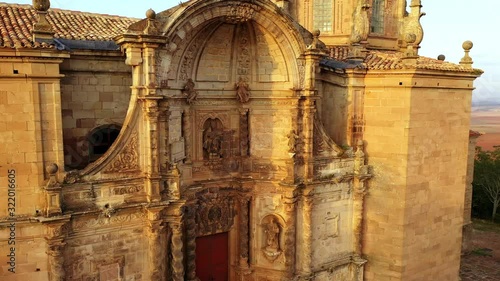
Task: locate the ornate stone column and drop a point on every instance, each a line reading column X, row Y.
column 244, row 233
column 151, row 110
column 56, row 231
column 177, row 251
column 290, row 231
column 307, row 251
column 361, row 174
column 191, row 230
column 157, row 253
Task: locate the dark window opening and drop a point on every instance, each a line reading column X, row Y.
column 101, row 139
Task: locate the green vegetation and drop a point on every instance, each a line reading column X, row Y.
column 486, row 184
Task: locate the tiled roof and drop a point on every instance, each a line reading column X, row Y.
column 16, row 24
column 387, row 60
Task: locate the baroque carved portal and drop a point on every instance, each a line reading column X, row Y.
column 213, row 132
column 215, row 214
column 272, row 232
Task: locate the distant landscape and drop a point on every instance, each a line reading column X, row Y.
column 485, row 119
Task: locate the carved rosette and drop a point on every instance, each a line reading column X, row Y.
column 177, row 251
column 128, row 159
column 244, row 55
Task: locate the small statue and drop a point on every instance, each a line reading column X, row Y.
column 293, row 140
column 242, row 91
column 272, row 248
column 189, row 91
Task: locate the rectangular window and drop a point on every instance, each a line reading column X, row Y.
column 377, row 22
column 323, row 16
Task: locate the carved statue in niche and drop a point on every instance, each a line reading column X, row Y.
column 272, row 231
column 242, row 91
column 212, row 139
column 189, row 91
column 293, row 141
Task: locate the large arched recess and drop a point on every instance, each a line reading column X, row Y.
column 200, row 18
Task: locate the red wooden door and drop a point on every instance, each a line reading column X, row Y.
column 212, row 257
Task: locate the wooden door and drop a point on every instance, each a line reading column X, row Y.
column 212, row 257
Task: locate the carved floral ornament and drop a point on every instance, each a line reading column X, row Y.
column 241, row 12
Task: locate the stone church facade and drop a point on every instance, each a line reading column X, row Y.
column 231, row 140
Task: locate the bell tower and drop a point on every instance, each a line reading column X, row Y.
column 335, row 19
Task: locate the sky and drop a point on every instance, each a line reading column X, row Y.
column 447, row 24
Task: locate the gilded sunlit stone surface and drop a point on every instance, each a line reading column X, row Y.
column 338, row 154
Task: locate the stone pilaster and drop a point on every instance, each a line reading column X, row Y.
column 157, row 253
column 307, row 250
column 290, row 235
column 56, row 231
column 186, row 124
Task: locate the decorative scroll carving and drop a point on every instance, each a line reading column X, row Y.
column 241, row 12
column 242, row 91
column 272, row 230
column 72, row 177
column 127, row 190
column 212, row 139
column 189, row 91
column 186, row 68
column 302, row 72
column 92, row 223
column 215, row 214
column 323, row 145
column 128, row 159
column 244, row 54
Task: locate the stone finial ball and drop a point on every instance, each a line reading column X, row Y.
column 41, row 5
column 52, row 168
column 316, row 33
column 441, row 57
column 360, row 143
column 151, row 14
column 467, row 45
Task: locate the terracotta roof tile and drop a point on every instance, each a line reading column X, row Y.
column 16, row 25
column 387, row 60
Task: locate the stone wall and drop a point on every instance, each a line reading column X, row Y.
column 95, row 91
column 417, row 136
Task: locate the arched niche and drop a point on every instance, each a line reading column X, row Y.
column 216, row 43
